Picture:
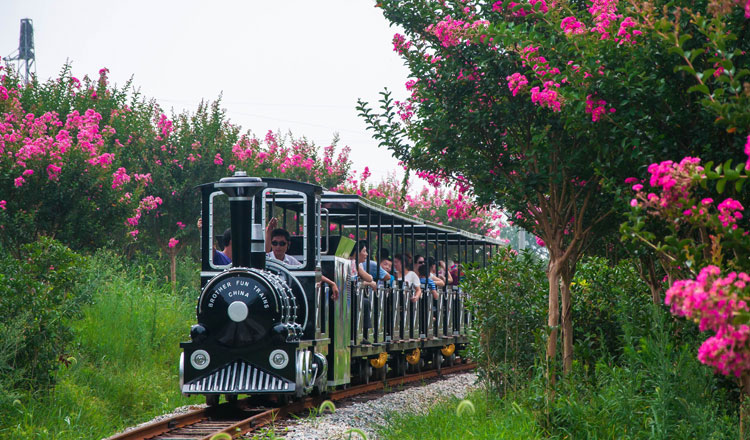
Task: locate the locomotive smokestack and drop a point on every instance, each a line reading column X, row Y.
column 245, row 235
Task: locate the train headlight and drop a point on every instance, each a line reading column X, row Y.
column 237, row 311
column 200, row 359
column 278, row 359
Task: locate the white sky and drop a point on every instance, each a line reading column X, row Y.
column 296, row 65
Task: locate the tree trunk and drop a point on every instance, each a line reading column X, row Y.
column 567, row 321
column 553, row 317
column 173, row 267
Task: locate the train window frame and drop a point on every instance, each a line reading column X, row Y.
column 265, row 201
column 211, row 230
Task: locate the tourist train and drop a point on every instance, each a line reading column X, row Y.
column 269, row 327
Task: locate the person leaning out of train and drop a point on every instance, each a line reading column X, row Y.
column 223, row 257
column 410, row 279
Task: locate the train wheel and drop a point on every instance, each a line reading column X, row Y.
column 212, row 399
column 401, row 365
column 437, row 361
column 383, row 372
column 451, row 359
column 364, row 370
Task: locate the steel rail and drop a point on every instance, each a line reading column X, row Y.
column 197, row 424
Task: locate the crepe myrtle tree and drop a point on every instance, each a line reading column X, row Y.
column 538, row 108
column 58, row 163
column 92, row 164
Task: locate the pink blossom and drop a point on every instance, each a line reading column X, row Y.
column 3, row 204
column 595, row 107
column 516, row 83
column 571, row 26
column 181, row 225
column 133, row 233
column 747, row 144
column 173, row 242
column 547, row 97
column 19, row 181
column 119, row 178
column 218, row 160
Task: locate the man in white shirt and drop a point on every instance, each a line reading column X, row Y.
column 277, row 244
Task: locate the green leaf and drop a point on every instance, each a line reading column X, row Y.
column 687, row 69
column 699, row 88
column 738, row 185
column 696, row 53
column 720, row 186
column 727, row 166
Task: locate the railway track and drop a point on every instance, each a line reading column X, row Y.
column 241, row 417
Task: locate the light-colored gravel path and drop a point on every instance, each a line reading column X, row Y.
column 369, row 414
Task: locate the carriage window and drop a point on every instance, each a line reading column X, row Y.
column 288, row 208
column 219, row 222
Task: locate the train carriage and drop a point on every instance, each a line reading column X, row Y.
column 268, row 327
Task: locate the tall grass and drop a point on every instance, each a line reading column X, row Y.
column 122, row 368
column 492, row 418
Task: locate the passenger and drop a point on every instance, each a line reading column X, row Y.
column 277, row 244
column 410, row 279
column 454, row 272
column 370, row 266
column 420, row 260
column 387, row 265
column 444, row 274
column 359, row 273
column 439, row 281
column 220, row 258
column 424, row 279
column 224, row 257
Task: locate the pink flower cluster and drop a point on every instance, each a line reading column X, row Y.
column 172, row 242
column 400, row 44
column 547, row 97
column 729, row 213
column 604, row 12
column 596, row 107
column 675, row 182
column 714, row 302
column 625, row 34
column 448, row 31
column 516, row 83
column 571, row 26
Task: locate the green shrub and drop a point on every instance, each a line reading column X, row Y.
column 657, row 390
column 123, row 360
column 37, row 296
column 509, row 303
column 606, row 297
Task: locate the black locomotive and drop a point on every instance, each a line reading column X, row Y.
column 268, row 327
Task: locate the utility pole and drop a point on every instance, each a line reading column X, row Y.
column 25, row 53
